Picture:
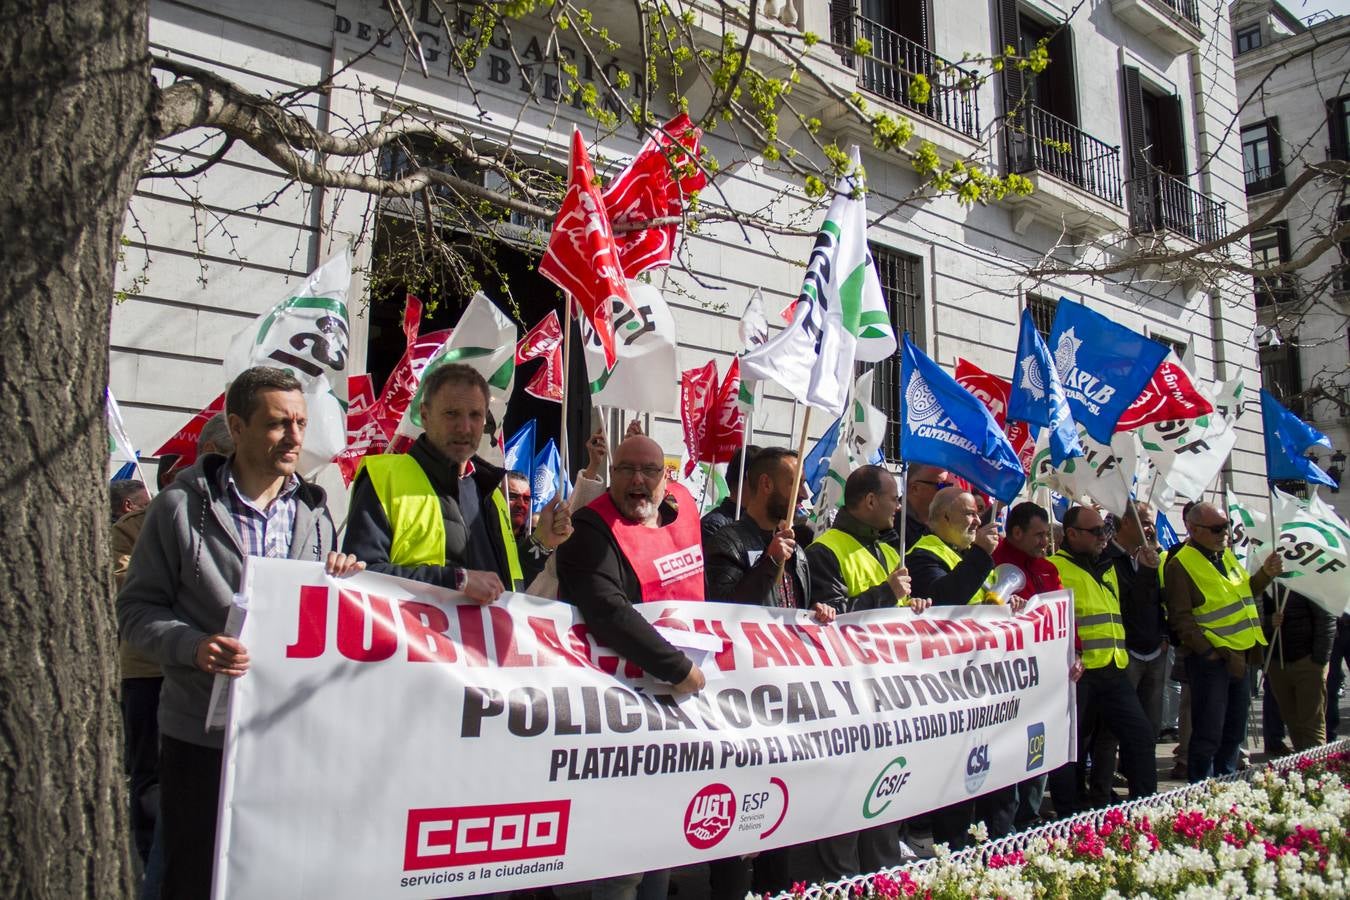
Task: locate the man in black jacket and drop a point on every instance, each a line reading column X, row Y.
column 1298, row 665
column 743, row 560
column 1131, row 554
column 950, row 565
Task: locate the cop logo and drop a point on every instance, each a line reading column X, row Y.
column 1035, row 745
column 977, row 767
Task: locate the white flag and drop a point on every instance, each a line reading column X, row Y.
column 1190, row 453
column 1102, row 473
column 1250, row 534
column 484, row 339
column 840, row 316
column 830, row 498
column 866, row 424
column 306, row 333
column 645, row 376
column 1315, row 545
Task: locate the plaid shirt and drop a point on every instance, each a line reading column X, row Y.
column 262, row 532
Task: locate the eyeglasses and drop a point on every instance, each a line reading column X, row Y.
column 628, row 470
column 937, row 484
column 1221, row 528
column 1099, row 531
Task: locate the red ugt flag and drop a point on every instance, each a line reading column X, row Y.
column 1169, row 395
column 994, row 392
column 544, row 341
column 653, row 186
column 183, row 444
column 581, row 257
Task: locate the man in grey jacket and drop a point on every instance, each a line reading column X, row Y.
column 184, row 572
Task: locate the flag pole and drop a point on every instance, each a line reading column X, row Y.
column 1129, row 500
column 904, row 508
column 1049, row 508
column 1281, row 596
column 567, row 365
column 745, row 450
column 796, row 479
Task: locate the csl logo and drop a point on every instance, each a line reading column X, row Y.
column 885, row 786
column 708, row 818
column 977, row 767
column 463, row 835
column 1035, row 745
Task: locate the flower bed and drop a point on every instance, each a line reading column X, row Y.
column 1278, row 831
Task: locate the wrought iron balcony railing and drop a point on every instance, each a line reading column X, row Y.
column 894, row 61
column 1160, row 201
column 1187, row 9
column 1041, row 142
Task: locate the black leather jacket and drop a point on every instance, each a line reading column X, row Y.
column 729, row 574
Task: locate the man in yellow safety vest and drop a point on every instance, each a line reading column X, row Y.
column 852, row 567
column 1106, row 698
column 1211, row 608
column 438, row 512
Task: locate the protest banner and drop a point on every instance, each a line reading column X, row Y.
column 392, row 741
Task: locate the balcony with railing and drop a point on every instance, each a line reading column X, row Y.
column 1042, row 142
column 1173, row 25
column 894, row 61
column 1158, row 201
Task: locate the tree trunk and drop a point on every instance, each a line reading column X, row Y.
column 75, row 109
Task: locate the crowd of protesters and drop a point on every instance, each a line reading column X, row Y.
column 1147, row 620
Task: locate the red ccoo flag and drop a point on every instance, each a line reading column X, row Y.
column 582, row 258
column 544, row 341
column 724, row 421
column 654, row 186
column 1169, row 395
column 697, row 388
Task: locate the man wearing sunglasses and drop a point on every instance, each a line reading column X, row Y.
column 922, row 482
column 1211, row 608
column 1106, row 698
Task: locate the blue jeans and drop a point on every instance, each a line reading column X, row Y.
column 1218, row 718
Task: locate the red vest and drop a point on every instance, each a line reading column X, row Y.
column 668, row 560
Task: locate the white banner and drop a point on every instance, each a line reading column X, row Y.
column 389, row 741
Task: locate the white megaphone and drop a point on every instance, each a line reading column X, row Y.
column 1003, row 582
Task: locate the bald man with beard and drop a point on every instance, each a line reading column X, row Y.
column 609, row 565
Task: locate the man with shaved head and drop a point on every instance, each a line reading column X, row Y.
column 1211, row 608
column 639, row 542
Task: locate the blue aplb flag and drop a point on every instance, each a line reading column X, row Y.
column 817, row 462
column 1102, row 365
column 1287, row 438
column 520, row 449
column 546, row 477
column 1038, row 398
column 943, row 424
column 1167, row 535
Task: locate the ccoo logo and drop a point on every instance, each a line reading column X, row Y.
column 708, row 818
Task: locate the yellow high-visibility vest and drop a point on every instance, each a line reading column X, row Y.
column 1096, row 611
column 950, row 558
column 1228, row 616
column 859, row 568
column 414, row 512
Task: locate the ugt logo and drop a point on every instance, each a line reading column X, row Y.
column 708, row 818
column 1035, row 745
column 977, row 767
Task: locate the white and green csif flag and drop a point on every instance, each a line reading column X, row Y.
column 484, row 339
column 1190, row 453
column 1103, row 474
column 860, row 443
column 1315, row 544
column 1250, row 534
column 645, row 376
column 306, row 333
column 840, row 315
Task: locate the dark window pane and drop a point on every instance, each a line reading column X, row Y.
column 901, row 277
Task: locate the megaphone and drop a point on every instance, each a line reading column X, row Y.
column 1003, row 582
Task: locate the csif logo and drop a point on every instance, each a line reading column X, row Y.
column 1035, row 745
column 502, row 832
column 977, row 767
column 889, row 782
